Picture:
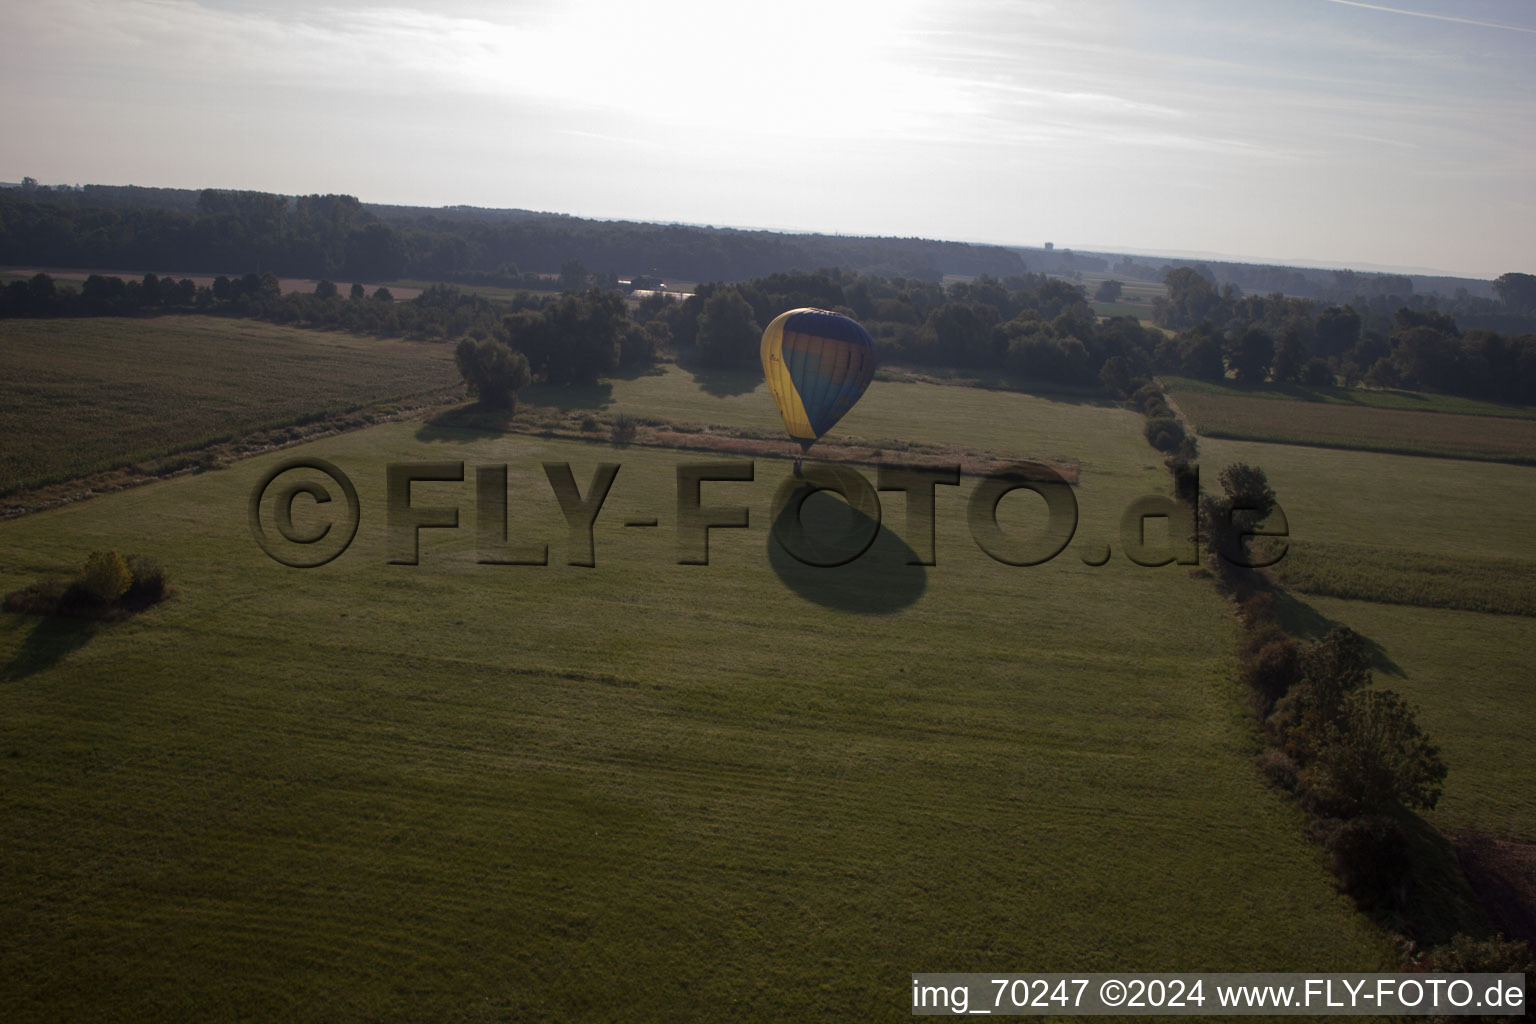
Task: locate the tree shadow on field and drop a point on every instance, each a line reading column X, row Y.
column 48, row 642
column 1304, row 622
column 636, row 372
column 453, row 424
column 566, row 397
column 827, row 529
column 1432, row 899
column 722, row 383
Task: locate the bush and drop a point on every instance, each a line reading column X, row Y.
column 106, row 576
column 1257, row 609
column 1271, row 672
column 1317, row 373
column 150, row 585
column 625, row 427
column 1143, row 394
column 1166, row 435
column 1466, row 955
column 1370, row 858
column 1278, row 768
column 1186, row 475
column 41, row 598
column 494, row 371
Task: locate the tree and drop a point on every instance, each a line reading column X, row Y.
column 383, row 294
column 494, row 372
column 1375, row 756
column 375, row 253
column 1290, row 358
column 1191, row 298
column 1251, row 356
column 962, row 333
column 357, row 291
column 1247, row 488
column 106, row 576
column 1109, row 291
column 573, row 276
column 325, row 290
column 1198, row 354
column 1517, row 291
column 1337, row 330
column 727, row 337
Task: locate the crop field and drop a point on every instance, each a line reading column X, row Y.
column 1438, row 558
column 643, row 790
column 1339, row 425
column 82, row 395
column 1373, row 398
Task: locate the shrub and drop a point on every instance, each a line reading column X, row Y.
column 589, row 423
column 1466, row 955
column 625, row 427
column 1271, row 672
column 1278, row 768
column 105, row 577
column 40, row 598
column 1256, row 609
column 1370, row 858
column 1140, row 395
column 1164, row 434
column 1186, row 474
column 150, row 585
column 494, row 372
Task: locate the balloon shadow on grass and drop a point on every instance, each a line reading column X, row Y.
column 827, row 529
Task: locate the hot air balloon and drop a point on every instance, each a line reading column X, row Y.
column 818, row 364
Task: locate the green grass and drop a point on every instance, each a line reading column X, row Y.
column 1402, row 531
column 92, row 394
column 644, row 789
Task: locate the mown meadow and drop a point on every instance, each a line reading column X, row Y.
column 643, row 790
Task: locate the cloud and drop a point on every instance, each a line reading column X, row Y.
column 1436, row 17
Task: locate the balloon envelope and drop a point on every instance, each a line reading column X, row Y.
column 817, row 364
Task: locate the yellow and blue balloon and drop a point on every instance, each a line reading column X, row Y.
column 818, row 364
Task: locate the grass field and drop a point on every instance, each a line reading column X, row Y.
column 92, row 394
column 1448, row 535
column 641, row 791
column 1341, row 425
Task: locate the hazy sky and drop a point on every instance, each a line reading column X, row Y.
column 1399, row 134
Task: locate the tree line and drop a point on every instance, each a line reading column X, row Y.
column 338, row 236
column 1384, row 341
column 1026, row 326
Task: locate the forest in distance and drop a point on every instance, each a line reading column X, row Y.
column 574, row 324
column 336, row 236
